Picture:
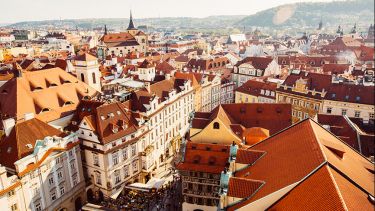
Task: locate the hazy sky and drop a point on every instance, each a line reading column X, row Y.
column 26, row 10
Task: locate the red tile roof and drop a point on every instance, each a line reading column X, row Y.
column 202, row 157
column 13, row 147
column 254, row 87
column 243, row 188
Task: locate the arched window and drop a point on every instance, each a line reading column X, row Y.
column 82, row 77
column 216, row 125
column 93, row 78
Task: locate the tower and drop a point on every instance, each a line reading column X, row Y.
column 354, row 29
column 131, row 28
column 105, row 30
column 87, row 70
column 320, row 27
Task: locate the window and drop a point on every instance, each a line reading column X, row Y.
column 11, row 193
column 216, row 125
column 135, row 166
column 117, row 177
column 53, row 196
column 38, row 207
column 343, row 112
column 98, row 178
column 306, row 115
column 95, row 159
column 62, row 190
column 316, row 107
column 13, row 207
column 93, row 78
column 134, row 149
column 357, row 114
column 58, row 160
column 115, row 158
column 125, row 153
column 329, row 110
column 59, row 175
column 371, row 115
column 126, row 171
column 82, row 77
column 50, row 181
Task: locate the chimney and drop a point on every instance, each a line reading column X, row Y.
column 8, row 125
column 28, row 116
column 148, row 87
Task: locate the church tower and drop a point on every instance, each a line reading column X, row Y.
column 87, row 70
column 320, row 27
column 131, row 28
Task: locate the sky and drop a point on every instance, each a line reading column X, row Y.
column 35, row 10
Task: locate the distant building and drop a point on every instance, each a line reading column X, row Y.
column 120, row 44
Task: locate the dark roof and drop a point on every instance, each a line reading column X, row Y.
column 13, row 147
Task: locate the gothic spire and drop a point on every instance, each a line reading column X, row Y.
column 131, row 24
column 105, row 30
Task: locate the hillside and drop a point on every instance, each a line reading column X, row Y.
column 121, row 23
column 309, row 14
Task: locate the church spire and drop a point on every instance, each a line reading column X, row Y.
column 105, row 30
column 131, row 24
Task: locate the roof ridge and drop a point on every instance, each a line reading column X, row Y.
column 337, row 188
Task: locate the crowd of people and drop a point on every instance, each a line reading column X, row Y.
column 167, row 198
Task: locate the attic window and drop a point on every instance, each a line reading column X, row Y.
column 216, row 125
column 337, row 152
column 196, row 159
column 357, row 99
column 346, row 97
column 211, row 160
column 4, row 91
column 52, row 85
column 37, row 88
column 333, row 95
column 110, row 115
column 9, row 150
column 45, row 110
column 68, row 103
column 67, row 82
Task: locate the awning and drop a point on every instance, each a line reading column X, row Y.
column 116, row 193
column 152, row 183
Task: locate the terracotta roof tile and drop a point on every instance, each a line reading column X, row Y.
column 13, row 147
column 243, row 188
column 202, row 157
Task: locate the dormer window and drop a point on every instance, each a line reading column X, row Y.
column 346, row 97
column 37, row 88
column 68, row 103
column 333, row 95
column 358, row 99
column 45, row 110
column 52, row 85
column 216, row 126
